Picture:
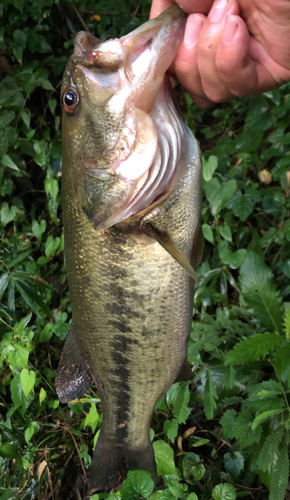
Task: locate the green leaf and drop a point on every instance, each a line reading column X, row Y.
column 234, row 463
column 200, row 442
column 281, row 361
column 51, row 246
column 30, row 297
column 10, row 493
column 4, row 280
column 52, row 105
column 180, row 409
column 20, row 38
column 243, row 429
column 164, row 457
column 280, row 475
column 51, row 187
column 25, row 117
column 162, row 495
column 17, row 394
column 208, row 233
column 208, row 167
column 264, row 416
column 8, row 162
column 242, row 206
column 171, row 428
column 231, row 259
column 175, row 487
column 38, row 229
column 225, row 232
column 260, row 293
column 224, row 492
column 209, row 397
column 92, row 418
column 42, row 395
column 192, row 467
column 30, row 431
column 138, row 482
column 269, row 449
column 7, row 214
column 8, row 450
column 27, row 378
column 254, row 348
column 287, row 325
column 218, row 195
column 18, row 53
column 60, row 329
column 45, row 333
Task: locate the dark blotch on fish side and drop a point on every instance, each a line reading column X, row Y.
column 119, row 309
column 121, row 326
column 122, row 391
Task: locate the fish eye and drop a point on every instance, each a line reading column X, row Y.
column 70, row 100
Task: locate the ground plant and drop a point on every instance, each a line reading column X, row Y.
column 225, row 434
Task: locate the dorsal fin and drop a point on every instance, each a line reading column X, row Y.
column 166, row 242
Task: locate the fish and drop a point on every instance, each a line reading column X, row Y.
column 131, row 189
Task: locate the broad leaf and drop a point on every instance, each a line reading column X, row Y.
column 137, row 483
column 224, row 492
column 164, row 457
column 234, row 463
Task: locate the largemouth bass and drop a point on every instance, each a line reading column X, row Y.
column 131, row 207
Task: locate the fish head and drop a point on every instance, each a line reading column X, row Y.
column 111, row 138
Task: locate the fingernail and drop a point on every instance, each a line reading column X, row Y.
column 192, row 30
column 229, row 30
column 218, row 11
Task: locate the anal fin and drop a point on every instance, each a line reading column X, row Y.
column 73, row 374
column 166, row 242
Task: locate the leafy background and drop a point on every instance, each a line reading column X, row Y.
column 226, row 434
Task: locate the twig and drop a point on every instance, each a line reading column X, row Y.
column 75, row 443
column 80, row 18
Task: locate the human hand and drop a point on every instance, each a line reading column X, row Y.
column 241, row 48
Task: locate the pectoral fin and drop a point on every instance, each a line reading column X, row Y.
column 166, row 242
column 73, row 375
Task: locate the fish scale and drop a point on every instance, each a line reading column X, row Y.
column 131, row 296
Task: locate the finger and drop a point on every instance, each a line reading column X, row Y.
column 185, row 65
column 159, row 6
column 213, row 86
column 243, row 64
column 189, row 6
column 234, row 65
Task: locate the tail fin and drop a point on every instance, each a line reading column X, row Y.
column 111, row 462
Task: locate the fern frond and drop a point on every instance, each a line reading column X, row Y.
column 180, row 410
column 281, row 361
column 286, row 325
column 254, row 348
column 269, row 448
column 260, row 293
column 209, row 397
column 279, row 479
column 264, row 416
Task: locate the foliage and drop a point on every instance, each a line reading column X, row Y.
column 226, row 435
